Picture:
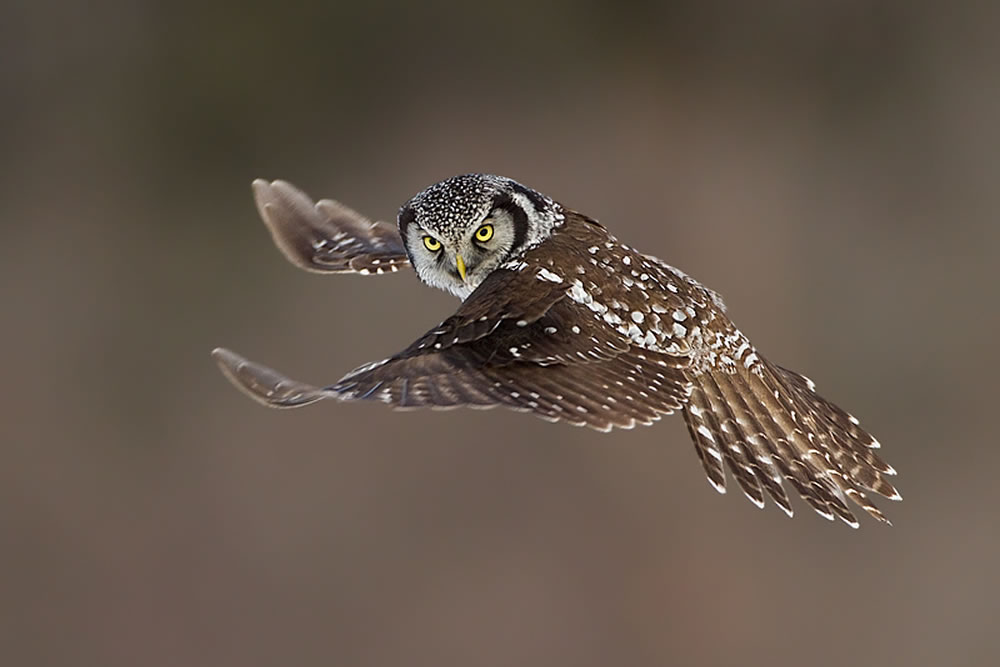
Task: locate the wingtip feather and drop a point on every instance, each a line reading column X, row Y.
column 263, row 384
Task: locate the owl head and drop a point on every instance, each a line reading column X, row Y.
column 460, row 230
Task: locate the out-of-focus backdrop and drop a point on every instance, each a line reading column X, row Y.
column 830, row 167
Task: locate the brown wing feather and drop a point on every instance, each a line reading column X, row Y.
column 326, row 237
column 774, row 425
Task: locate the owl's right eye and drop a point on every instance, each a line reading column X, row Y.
column 432, row 243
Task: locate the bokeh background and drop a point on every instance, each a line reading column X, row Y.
column 830, row 167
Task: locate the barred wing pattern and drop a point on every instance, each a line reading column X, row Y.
column 326, row 237
column 770, row 425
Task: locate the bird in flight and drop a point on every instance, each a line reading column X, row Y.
column 560, row 319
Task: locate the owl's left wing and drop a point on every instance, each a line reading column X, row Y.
column 561, row 367
column 326, row 236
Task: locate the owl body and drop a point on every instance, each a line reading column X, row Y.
column 560, row 319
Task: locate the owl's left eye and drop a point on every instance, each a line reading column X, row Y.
column 484, row 233
column 432, row 243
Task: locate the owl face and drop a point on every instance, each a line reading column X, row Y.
column 458, row 231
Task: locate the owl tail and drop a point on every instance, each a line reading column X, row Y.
column 770, row 424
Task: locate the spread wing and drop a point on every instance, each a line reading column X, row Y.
column 518, row 342
column 326, row 236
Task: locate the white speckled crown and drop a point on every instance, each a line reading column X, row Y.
column 450, row 206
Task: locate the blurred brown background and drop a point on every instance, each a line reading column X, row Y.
column 829, row 167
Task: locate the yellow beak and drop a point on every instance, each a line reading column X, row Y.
column 461, row 266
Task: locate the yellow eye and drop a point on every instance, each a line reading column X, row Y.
column 484, row 233
column 432, row 243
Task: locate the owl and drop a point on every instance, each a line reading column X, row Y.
column 560, row 319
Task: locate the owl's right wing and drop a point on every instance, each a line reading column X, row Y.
column 326, row 236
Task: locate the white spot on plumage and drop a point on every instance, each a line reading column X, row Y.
column 679, row 315
column 545, row 274
column 575, row 329
column 578, row 294
column 637, row 317
column 679, row 330
column 705, row 432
